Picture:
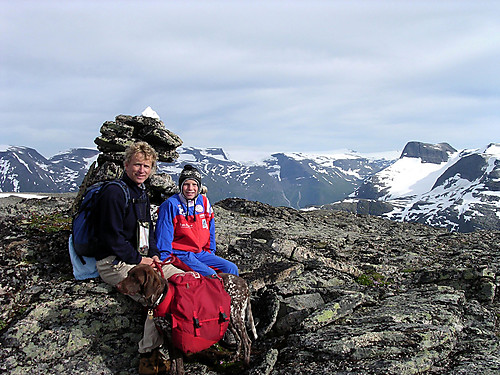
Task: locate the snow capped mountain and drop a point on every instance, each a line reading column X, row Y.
column 435, row 185
column 23, row 169
column 307, row 179
column 283, row 179
column 431, row 184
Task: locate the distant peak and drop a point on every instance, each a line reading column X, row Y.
column 149, row 112
column 5, row 148
column 428, row 152
column 493, row 149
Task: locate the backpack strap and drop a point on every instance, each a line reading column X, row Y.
column 125, row 190
column 163, row 308
column 205, row 205
column 207, row 217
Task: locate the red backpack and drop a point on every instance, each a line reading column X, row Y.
column 200, row 310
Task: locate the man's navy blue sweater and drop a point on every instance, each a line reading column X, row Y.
column 116, row 227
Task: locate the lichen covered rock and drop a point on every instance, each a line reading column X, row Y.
column 332, row 292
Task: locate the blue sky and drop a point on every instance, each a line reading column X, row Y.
column 253, row 76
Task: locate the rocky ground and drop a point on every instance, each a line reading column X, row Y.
column 332, row 293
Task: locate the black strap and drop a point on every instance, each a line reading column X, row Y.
column 141, row 203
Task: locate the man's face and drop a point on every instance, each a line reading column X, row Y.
column 190, row 189
column 138, row 168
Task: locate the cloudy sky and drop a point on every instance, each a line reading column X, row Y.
column 253, row 76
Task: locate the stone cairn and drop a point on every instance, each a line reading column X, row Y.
column 114, row 139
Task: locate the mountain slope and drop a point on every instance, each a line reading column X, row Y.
column 226, row 178
column 431, row 184
column 292, row 179
column 435, row 185
column 308, row 179
column 23, row 169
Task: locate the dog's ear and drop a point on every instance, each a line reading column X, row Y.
column 153, row 286
column 148, row 284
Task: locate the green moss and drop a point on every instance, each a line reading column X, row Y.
column 409, row 270
column 372, row 278
column 49, row 223
column 319, row 245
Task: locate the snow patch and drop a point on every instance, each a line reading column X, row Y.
column 249, row 158
column 410, row 177
column 149, row 112
column 22, row 195
column 215, row 153
column 22, row 162
column 493, row 149
column 89, row 161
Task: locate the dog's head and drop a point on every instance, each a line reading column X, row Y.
column 144, row 281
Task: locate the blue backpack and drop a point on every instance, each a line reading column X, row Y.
column 83, row 232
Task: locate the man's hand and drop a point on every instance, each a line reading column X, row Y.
column 147, row 260
column 150, row 261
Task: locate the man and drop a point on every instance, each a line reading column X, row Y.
column 125, row 234
column 186, row 228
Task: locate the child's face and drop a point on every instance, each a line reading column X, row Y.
column 190, row 189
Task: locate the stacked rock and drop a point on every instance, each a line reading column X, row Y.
column 114, row 139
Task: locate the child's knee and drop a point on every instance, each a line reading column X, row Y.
column 232, row 268
column 203, row 269
column 208, row 272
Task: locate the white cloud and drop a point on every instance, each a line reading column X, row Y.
column 276, row 75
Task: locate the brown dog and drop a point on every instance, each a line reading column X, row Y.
column 146, row 282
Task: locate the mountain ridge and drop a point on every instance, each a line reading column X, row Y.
column 434, row 184
column 23, row 169
column 274, row 180
column 460, row 191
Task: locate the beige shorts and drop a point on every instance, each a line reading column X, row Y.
column 114, row 273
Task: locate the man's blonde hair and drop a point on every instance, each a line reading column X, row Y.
column 143, row 148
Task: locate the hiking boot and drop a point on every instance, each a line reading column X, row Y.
column 153, row 362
